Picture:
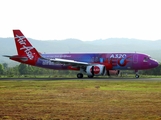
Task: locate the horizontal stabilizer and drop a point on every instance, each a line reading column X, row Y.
column 17, row 57
column 7, row 56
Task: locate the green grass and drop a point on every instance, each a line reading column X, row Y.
column 80, row 100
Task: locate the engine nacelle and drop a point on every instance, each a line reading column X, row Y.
column 96, row 70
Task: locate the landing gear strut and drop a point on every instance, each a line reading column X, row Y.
column 137, row 74
column 79, row 75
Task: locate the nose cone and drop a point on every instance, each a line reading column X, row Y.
column 154, row 64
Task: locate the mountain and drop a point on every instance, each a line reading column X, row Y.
column 153, row 48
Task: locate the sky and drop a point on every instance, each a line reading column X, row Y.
column 86, row 20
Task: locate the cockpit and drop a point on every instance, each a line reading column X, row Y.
column 149, row 62
column 146, row 59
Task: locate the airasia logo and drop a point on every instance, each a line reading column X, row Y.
column 27, row 49
column 96, row 69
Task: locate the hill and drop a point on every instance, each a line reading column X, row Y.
column 152, row 48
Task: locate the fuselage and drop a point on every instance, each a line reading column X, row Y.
column 112, row 61
column 92, row 64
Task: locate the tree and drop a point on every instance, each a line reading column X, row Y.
column 1, row 69
column 22, row 68
column 5, row 65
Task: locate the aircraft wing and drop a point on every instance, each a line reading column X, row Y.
column 69, row 62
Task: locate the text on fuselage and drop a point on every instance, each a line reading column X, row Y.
column 118, row 56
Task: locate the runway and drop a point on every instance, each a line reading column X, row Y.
column 86, row 79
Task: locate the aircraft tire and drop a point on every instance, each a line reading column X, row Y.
column 90, row 76
column 136, row 76
column 79, row 75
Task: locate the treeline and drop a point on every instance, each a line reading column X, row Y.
column 32, row 71
column 27, row 70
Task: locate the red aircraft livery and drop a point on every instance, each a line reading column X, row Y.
column 91, row 64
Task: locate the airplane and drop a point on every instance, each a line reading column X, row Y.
column 91, row 64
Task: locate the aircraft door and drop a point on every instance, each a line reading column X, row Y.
column 135, row 58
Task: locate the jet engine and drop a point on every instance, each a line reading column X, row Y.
column 96, row 70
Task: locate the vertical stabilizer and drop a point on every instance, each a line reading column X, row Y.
column 25, row 49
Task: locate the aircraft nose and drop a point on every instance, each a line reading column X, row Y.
column 154, row 64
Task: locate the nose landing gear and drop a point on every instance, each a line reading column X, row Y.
column 136, row 74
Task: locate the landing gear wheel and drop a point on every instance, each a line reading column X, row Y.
column 136, row 76
column 90, row 76
column 79, row 75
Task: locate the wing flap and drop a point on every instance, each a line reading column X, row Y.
column 69, row 62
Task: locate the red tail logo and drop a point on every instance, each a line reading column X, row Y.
column 24, row 48
column 27, row 49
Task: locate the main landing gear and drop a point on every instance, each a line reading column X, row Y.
column 79, row 75
column 136, row 74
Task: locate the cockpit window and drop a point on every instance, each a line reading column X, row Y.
column 146, row 59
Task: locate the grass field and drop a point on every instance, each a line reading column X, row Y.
column 80, row 100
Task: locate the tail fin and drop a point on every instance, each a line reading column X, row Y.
column 25, row 49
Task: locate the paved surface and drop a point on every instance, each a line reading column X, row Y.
column 104, row 78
